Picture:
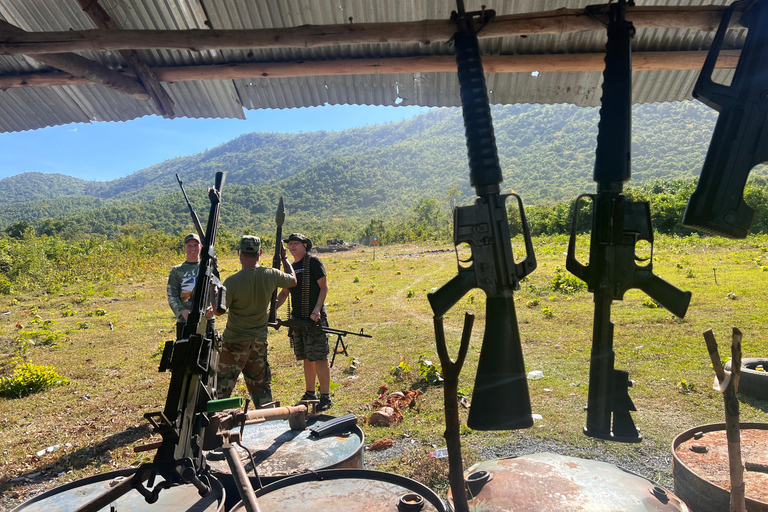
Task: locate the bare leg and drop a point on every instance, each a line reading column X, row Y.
column 323, row 371
column 309, row 375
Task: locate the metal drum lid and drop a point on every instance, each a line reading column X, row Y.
column 280, row 451
column 347, row 490
column 547, row 482
column 69, row 497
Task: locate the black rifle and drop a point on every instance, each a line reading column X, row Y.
column 192, row 213
column 279, row 220
column 740, row 139
column 192, row 361
column 617, row 226
column 501, row 376
column 300, row 324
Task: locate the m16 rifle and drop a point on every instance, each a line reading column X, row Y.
column 740, row 139
column 192, row 361
column 617, row 226
column 500, row 399
column 299, row 323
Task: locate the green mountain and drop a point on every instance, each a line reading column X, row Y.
column 546, row 153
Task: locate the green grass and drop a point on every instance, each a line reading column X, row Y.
column 97, row 418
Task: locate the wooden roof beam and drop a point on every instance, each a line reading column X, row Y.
column 641, row 61
column 151, row 84
column 560, row 21
column 84, row 68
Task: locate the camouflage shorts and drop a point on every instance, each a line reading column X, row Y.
column 250, row 358
column 310, row 344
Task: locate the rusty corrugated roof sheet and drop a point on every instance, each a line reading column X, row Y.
column 30, row 108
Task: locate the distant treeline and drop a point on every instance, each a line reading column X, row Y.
column 53, row 254
column 428, row 219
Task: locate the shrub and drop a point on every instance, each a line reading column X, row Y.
column 30, row 378
column 565, row 283
column 650, row 303
column 429, row 371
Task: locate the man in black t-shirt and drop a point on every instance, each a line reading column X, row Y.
column 308, row 303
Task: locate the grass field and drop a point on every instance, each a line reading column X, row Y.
column 105, row 340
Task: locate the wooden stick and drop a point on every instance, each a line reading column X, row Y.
column 560, row 21
column 452, row 433
column 731, row 401
column 732, row 427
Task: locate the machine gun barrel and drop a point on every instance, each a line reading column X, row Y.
column 740, row 139
column 192, row 213
column 484, row 226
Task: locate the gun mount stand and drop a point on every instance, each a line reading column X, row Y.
column 219, row 435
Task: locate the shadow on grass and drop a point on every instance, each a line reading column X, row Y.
column 754, row 402
column 77, row 460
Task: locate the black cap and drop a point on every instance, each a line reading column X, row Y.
column 298, row 237
column 191, row 236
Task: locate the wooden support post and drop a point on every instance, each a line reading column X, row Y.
column 451, row 371
column 729, row 385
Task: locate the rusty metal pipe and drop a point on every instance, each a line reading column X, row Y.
column 242, row 482
column 99, row 502
column 296, row 415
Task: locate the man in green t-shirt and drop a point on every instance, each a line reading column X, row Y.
column 181, row 282
column 244, row 346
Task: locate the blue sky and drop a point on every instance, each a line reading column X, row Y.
column 106, row 151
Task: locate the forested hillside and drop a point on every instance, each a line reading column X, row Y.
column 347, row 178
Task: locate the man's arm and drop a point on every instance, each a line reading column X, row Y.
column 288, row 269
column 282, row 296
column 173, row 290
column 323, row 284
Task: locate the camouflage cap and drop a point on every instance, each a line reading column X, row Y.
column 298, row 237
column 250, row 244
column 191, row 236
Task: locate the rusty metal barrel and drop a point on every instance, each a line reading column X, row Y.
column 279, row 452
column 73, row 495
column 700, row 467
column 548, row 482
column 348, row 490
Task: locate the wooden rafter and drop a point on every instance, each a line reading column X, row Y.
column 151, row 84
column 641, row 61
column 85, row 69
column 560, row 21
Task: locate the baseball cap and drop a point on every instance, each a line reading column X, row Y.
column 298, row 237
column 250, row 244
column 191, row 236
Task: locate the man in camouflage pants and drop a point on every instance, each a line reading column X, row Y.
column 244, row 346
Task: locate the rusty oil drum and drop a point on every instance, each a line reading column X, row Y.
column 548, row 482
column 701, row 494
column 346, row 490
column 71, row 496
column 280, row 451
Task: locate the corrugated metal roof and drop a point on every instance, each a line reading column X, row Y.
column 30, row 108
